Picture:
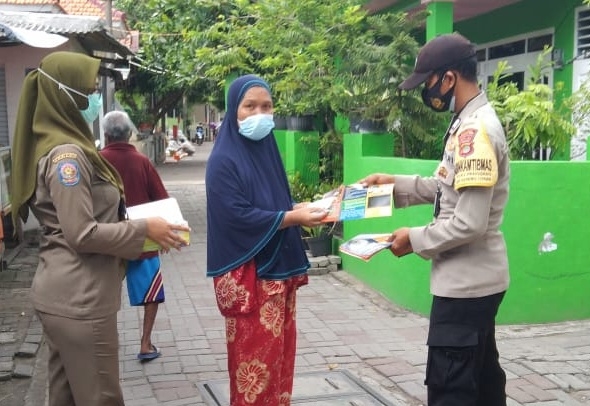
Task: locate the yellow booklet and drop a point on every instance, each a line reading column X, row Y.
column 168, row 209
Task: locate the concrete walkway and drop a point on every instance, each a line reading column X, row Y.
column 343, row 326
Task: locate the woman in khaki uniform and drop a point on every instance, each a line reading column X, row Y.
column 78, row 199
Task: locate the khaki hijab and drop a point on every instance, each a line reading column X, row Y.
column 47, row 117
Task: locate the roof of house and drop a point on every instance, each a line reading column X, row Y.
column 462, row 9
column 72, row 7
column 88, row 30
column 92, row 8
column 88, row 8
column 27, row 2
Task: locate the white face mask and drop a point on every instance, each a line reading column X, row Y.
column 257, row 126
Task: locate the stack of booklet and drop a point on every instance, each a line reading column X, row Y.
column 352, row 202
column 168, row 209
column 364, row 246
column 355, row 201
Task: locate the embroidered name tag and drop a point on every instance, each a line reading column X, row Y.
column 68, row 172
column 65, row 155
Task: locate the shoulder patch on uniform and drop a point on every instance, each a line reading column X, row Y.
column 475, row 159
column 65, row 155
column 465, row 140
column 68, row 172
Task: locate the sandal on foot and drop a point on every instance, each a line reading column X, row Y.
column 148, row 356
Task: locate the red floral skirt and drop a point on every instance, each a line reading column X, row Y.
column 261, row 335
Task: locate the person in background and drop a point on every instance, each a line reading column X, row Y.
column 214, row 128
column 142, row 184
column 469, row 191
column 78, row 200
column 200, row 133
column 254, row 249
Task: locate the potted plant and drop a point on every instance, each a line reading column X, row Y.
column 280, row 122
column 366, row 104
column 301, row 117
column 280, row 116
column 374, row 64
column 300, row 122
column 362, row 125
column 319, row 239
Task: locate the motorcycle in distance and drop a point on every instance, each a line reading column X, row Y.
column 200, row 134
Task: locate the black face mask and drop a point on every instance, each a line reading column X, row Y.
column 434, row 99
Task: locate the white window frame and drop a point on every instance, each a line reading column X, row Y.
column 517, row 63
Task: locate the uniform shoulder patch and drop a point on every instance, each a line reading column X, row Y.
column 475, row 159
column 68, row 172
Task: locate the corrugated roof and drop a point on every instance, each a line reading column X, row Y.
column 95, row 8
column 53, row 23
column 90, row 31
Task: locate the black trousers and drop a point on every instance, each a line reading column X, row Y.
column 463, row 367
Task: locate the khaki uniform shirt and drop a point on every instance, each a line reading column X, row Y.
column 465, row 244
column 80, row 267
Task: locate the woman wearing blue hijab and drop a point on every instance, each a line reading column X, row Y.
column 254, row 248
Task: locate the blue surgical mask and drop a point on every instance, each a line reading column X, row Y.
column 257, row 126
column 94, row 100
column 93, row 110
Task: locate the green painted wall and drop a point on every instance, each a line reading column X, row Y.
column 300, row 153
column 440, row 19
column 554, row 197
column 544, row 196
column 523, row 16
column 281, row 139
column 519, row 18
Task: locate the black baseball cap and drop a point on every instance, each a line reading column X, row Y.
column 437, row 54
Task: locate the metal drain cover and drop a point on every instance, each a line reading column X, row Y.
column 322, row 388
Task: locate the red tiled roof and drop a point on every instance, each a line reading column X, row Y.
column 72, row 7
column 87, row 8
column 28, row 2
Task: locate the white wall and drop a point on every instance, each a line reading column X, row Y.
column 581, row 73
column 16, row 60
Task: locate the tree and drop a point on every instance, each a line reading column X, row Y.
column 381, row 58
column 168, row 70
column 294, row 45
